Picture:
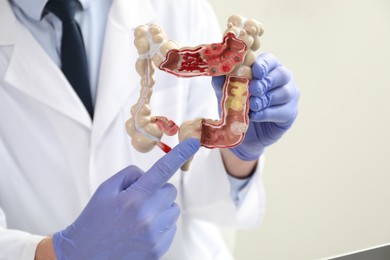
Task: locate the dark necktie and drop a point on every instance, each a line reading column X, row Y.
column 73, row 58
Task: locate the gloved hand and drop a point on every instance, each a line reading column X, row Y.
column 132, row 215
column 273, row 105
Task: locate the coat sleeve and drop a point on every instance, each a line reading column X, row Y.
column 16, row 244
column 206, row 188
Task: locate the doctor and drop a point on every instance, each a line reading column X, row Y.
column 66, row 190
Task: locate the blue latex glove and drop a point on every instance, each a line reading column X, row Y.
column 273, row 105
column 132, row 215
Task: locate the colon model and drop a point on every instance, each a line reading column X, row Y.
column 233, row 58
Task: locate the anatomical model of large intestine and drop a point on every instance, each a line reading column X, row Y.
column 233, row 57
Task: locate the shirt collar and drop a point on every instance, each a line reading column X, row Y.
column 35, row 8
column 84, row 3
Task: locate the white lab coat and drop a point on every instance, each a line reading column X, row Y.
column 52, row 158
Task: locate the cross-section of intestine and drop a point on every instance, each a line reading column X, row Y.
column 233, row 57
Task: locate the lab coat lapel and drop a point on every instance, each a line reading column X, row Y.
column 32, row 72
column 118, row 79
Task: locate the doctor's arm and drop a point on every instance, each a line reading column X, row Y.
column 135, row 210
column 273, row 109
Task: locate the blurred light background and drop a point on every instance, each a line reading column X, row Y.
column 328, row 179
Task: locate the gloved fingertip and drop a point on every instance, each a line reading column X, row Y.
column 253, row 87
column 265, row 63
column 256, row 116
column 257, row 104
column 258, row 87
column 253, row 104
column 259, row 70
